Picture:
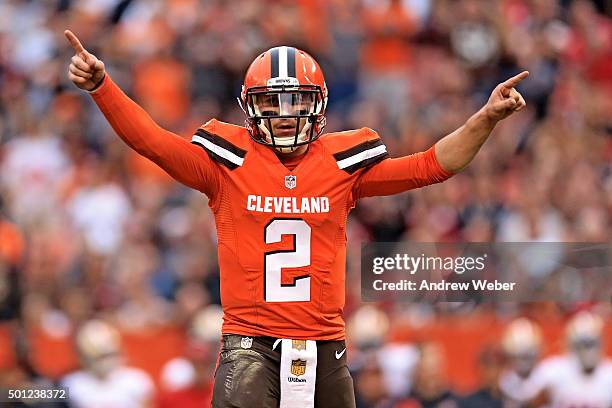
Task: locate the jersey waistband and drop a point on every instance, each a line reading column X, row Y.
column 236, row 340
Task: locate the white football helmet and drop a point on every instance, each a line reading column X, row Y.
column 522, row 341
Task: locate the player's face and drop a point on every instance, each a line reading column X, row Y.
column 102, row 365
column 285, row 104
column 588, row 352
column 524, row 362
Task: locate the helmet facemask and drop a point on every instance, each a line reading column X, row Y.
column 285, row 117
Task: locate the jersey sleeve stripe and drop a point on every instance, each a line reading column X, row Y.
column 363, row 159
column 362, row 155
column 221, row 142
column 368, row 144
column 219, row 149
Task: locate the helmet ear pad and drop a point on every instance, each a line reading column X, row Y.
column 320, row 124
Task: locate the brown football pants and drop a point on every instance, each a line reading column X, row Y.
column 249, row 377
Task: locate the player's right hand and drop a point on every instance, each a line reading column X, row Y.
column 86, row 71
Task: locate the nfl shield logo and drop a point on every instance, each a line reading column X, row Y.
column 298, row 367
column 290, row 181
column 246, row 342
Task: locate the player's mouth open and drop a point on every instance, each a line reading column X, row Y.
column 284, row 131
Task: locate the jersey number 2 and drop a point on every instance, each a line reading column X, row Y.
column 298, row 257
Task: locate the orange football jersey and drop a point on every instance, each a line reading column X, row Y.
column 281, row 233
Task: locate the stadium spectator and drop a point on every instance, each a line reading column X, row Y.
column 430, row 388
column 491, row 363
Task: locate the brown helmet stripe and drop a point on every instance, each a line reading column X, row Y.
column 282, row 62
column 274, row 62
column 291, row 62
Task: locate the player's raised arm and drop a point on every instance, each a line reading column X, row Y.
column 449, row 155
column 456, row 151
column 184, row 161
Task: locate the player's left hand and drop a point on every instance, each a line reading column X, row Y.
column 505, row 99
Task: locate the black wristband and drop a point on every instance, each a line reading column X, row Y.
column 98, row 84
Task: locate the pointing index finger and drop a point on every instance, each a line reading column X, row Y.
column 515, row 80
column 74, row 41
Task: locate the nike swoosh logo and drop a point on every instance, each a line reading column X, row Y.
column 340, row 354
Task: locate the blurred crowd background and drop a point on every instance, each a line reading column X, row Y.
column 98, row 242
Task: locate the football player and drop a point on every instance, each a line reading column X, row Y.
column 583, row 376
column 105, row 380
column 281, row 191
column 521, row 343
